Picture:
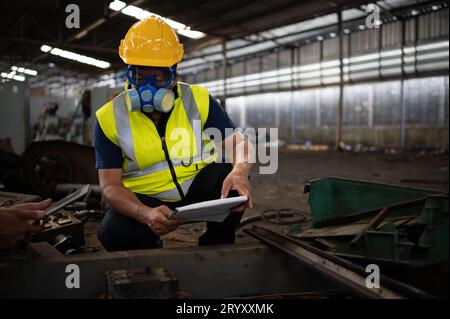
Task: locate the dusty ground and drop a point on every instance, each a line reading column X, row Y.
column 285, row 188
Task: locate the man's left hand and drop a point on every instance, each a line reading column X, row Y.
column 238, row 180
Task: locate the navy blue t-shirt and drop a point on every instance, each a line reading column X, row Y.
column 109, row 155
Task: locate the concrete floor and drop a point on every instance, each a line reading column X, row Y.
column 285, row 188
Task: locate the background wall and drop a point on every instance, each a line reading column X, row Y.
column 372, row 113
column 13, row 114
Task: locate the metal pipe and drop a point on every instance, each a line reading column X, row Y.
column 324, row 265
column 224, row 71
column 341, row 83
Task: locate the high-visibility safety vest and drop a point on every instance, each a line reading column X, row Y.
column 161, row 167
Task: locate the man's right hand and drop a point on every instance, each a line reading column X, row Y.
column 18, row 220
column 157, row 219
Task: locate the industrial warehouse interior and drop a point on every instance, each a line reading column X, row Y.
column 224, row 149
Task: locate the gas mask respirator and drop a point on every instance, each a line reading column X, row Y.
column 148, row 94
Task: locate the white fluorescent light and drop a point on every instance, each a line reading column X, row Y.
column 191, row 34
column 55, row 51
column 141, row 14
column 31, row 72
column 19, row 78
column 174, row 24
column 76, row 57
column 24, row 70
column 12, row 75
column 45, row 48
column 117, row 5
column 132, row 11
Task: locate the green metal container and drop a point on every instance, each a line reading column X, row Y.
column 332, row 199
column 337, row 197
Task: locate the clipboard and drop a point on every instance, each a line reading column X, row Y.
column 209, row 211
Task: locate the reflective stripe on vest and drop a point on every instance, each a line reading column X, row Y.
column 125, row 138
column 193, row 115
column 172, row 193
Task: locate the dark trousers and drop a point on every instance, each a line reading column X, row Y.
column 119, row 232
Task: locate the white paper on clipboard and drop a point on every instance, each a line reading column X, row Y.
column 209, row 211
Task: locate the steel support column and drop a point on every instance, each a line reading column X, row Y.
column 341, row 82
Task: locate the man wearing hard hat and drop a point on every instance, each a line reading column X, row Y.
column 152, row 153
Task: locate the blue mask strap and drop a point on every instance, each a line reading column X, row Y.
column 130, row 70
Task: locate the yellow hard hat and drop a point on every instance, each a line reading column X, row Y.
column 151, row 42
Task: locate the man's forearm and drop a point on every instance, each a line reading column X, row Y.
column 243, row 153
column 124, row 201
column 241, row 162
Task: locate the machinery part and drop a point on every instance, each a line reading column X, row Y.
column 364, row 214
column 49, row 163
column 376, row 221
column 92, row 201
column 141, row 283
column 65, row 189
column 65, row 244
column 280, row 216
column 11, row 171
column 49, row 170
column 357, row 241
column 342, row 271
column 435, row 237
column 220, row 272
column 419, row 239
column 61, row 230
column 8, row 198
column 6, row 203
